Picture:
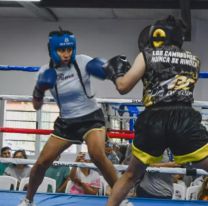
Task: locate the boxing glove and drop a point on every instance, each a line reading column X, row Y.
column 116, row 67
column 46, row 80
column 95, row 68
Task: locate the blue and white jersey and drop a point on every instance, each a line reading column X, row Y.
column 73, row 101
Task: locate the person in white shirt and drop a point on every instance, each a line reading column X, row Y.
column 84, row 180
column 18, row 171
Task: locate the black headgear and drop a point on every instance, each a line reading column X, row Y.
column 143, row 40
column 169, row 31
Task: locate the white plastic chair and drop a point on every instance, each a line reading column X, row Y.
column 198, row 181
column 47, row 181
column 68, row 186
column 179, row 192
column 7, row 181
column 192, row 192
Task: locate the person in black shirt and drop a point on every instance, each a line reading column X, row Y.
column 169, row 74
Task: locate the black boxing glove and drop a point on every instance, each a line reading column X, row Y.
column 116, row 67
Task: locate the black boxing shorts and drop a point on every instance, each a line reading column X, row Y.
column 75, row 129
column 177, row 126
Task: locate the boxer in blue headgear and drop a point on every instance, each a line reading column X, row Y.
column 61, row 40
column 67, row 77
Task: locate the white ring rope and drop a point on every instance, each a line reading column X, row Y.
column 138, row 102
column 120, row 168
column 183, row 171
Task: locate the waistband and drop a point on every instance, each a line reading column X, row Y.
column 172, row 105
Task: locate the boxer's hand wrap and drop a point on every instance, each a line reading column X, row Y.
column 38, row 94
column 116, row 67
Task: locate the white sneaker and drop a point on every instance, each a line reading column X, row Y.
column 26, row 202
column 126, row 203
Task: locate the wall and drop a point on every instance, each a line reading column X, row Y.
column 23, row 42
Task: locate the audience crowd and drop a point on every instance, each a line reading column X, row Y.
column 75, row 180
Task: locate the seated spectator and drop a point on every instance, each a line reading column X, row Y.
column 5, row 153
column 117, row 150
column 203, row 193
column 157, row 185
column 60, row 173
column 111, row 154
column 178, row 179
column 18, row 171
column 85, row 180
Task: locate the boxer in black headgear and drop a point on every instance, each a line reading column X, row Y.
column 169, row 74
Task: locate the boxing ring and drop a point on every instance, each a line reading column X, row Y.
column 120, row 106
column 61, row 199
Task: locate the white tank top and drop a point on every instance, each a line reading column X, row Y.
column 73, row 101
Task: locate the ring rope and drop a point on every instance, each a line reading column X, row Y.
column 202, row 74
column 111, row 134
column 25, row 131
column 19, row 68
column 137, row 102
column 120, row 168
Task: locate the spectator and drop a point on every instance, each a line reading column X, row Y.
column 117, row 150
column 203, row 193
column 178, row 179
column 60, row 173
column 85, row 180
column 110, row 153
column 156, row 185
column 5, row 153
column 18, row 171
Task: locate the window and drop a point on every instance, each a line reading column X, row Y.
column 20, row 115
column 49, row 113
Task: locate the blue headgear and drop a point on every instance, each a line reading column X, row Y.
column 61, row 39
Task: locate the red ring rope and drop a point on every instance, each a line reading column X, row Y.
column 122, row 134
column 26, row 131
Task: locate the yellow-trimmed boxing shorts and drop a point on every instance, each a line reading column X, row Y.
column 75, row 129
column 176, row 126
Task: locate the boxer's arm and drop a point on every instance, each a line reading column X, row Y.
column 46, row 80
column 116, row 67
column 128, row 81
column 113, row 68
column 95, row 68
column 37, row 104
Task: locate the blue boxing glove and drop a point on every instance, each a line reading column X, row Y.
column 116, row 67
column 95, row 68
column 46, row 80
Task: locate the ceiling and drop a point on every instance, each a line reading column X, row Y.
column 55, row 10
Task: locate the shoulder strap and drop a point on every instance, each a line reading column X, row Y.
column 58, row 99
column 51, row 65
column 81, row 80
